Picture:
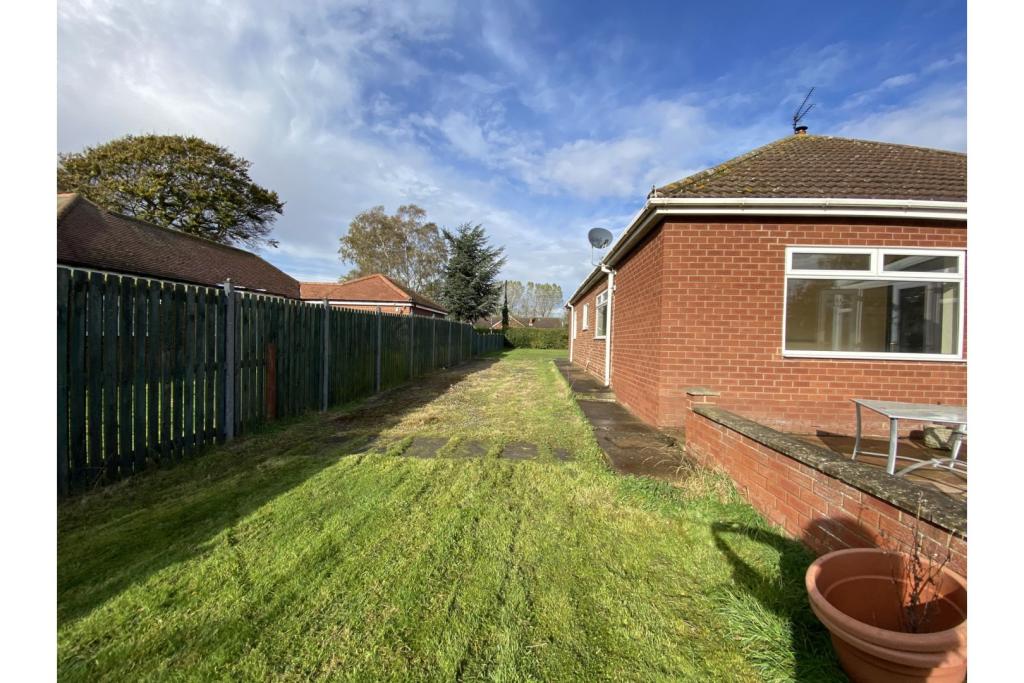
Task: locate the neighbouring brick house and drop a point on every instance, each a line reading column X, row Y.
column 788, row 280
column 370, row 293
column 94, row 238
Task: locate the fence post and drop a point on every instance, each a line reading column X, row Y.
column 229, row 361
column 380, row 321
column 325, row 380
column 449, row 349
column 412, row 344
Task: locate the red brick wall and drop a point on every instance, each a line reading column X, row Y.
column 823, row 512
column 638, row 350
column 587, row 352
column 720, row 292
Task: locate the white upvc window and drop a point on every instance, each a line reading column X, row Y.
column 601, row 316
column 573, row 323
column 586, row 316
column 873, row 303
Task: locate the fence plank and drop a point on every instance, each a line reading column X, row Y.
column 154, row 362
column 221, row 383
column 166, row 370
column 210, row 366
column 189, row 386
column 200, row 367
column 79, row 324
column 111, row 292
column 63, row 295
column 94, row 374
column 126, row 368
column 139, row 391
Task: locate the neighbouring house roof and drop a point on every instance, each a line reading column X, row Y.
column 545, row 323
column 514, row 321
column 376, row 288
column 826, row 166
column 91, row 237
column 808, row 175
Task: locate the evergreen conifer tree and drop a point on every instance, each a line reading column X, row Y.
column 471, row 290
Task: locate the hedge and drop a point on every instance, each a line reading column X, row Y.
column 537, row 338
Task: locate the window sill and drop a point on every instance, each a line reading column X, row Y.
column 900, row 357
column 601, row 336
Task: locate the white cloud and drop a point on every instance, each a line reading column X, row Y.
column 936, row 118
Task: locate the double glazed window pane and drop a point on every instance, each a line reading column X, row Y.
column 872, row 316
column 831, row 261
column 920, row 263
column 602, row 319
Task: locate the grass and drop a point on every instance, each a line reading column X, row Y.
column 281, row 556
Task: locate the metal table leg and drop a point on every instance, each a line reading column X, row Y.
column 894, row 432
column 856, row 440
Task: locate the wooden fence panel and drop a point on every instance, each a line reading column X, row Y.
column 141, row 366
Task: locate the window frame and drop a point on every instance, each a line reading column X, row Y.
column 878, row 273
column 586, row 316
column 599, row 300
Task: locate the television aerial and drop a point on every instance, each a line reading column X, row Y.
column 599, row 239
column 803, row 110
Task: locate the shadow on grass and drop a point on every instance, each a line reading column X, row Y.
column 783, row 595
column 113, row 538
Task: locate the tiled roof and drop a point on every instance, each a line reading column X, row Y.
column 91, row 237
column 546, row 323
column 375, row 287
column 823, row 166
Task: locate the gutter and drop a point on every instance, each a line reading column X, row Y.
column 657, row 208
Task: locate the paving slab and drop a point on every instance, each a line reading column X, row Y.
column 470, row 449
column 630, row 445
column 425, row 446
column 519, row 450
column 585, row 386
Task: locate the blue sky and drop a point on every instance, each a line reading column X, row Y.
column 537, row 119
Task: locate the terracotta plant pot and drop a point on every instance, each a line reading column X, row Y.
column 853, row 593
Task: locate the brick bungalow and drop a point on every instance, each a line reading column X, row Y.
column 787, row 281
column 94, row 238
column 370, row 293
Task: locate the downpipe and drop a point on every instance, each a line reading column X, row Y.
column 608, row 325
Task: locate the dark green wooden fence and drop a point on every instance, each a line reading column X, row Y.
column 142, row 366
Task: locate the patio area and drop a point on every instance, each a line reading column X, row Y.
column 937, row 478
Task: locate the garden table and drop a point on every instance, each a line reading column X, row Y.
column 918, row 412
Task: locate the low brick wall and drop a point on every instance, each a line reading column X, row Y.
column 827, row 501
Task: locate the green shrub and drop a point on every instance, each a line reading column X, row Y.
column 535, row 338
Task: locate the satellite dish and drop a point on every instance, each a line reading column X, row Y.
column 599, row 238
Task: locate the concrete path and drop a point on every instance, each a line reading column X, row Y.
column 631, row 446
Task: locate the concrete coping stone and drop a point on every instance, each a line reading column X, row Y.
column 700, row 391
column 936, row 507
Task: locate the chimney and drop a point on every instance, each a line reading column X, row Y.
column 799, row 130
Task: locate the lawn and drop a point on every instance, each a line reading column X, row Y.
column 292, row 555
